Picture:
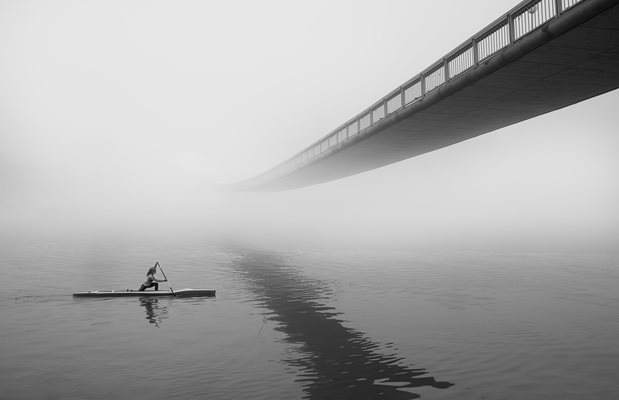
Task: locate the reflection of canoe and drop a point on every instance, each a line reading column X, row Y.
column 146, row 293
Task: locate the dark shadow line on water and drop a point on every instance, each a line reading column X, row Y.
column 333, row 361
column 37, row 297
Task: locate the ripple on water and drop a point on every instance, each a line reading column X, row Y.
column 314, row 325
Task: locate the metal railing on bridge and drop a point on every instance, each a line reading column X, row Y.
column 525, row 18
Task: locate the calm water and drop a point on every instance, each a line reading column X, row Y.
column 319, row 325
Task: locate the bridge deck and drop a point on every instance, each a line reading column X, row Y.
column 566, row 61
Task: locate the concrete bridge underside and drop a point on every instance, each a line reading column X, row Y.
column 560, row 64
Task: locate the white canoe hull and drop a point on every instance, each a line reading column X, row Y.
column 147, row 293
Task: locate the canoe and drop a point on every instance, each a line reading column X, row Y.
column 147, row 293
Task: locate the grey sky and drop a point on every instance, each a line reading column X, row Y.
column 121, row 115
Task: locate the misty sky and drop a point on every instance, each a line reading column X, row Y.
column 121, row 116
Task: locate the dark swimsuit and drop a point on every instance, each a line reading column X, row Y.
column 155, row 284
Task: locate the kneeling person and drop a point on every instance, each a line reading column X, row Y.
column 151, row 281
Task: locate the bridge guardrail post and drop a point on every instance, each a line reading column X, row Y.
column 510, row 27
column 475, row 51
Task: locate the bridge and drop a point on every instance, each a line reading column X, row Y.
column 539, row 57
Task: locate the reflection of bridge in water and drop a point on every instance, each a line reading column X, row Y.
column 541, row 56
column 333, row 362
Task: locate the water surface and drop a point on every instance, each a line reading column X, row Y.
column 308, row 324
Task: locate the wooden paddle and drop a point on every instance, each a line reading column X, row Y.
column 166, row 278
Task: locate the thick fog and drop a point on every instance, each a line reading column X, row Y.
column 125, row 117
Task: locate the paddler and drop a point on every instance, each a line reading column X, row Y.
column 150, row 278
